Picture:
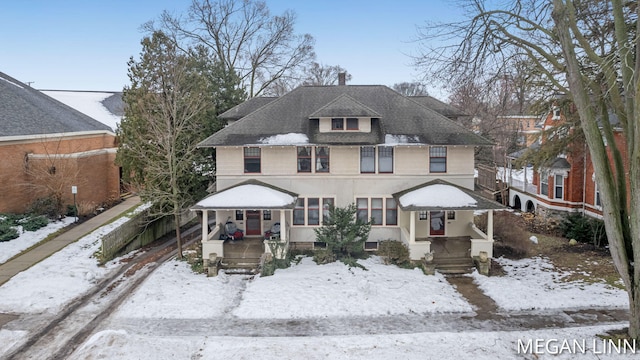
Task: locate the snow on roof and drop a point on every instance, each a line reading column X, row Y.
column 247, row 196
column 437, row 195
column 285, row 139
column 88, row 103
column 390, row 139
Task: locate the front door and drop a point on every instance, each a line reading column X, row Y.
column 436, row 223
column 253, row 222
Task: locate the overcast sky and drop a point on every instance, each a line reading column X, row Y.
column 85, row 45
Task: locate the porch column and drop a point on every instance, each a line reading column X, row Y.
column 205, row 224
column 490, row 225
column 412, row 227
column 283, row 226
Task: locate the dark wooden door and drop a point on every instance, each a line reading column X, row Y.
column 253, row 222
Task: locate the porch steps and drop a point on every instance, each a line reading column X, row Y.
column 454, row 265
column 241, row 266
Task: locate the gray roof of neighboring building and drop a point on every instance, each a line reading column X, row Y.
column 115, row 104
column 398, row 115
column 27, row 111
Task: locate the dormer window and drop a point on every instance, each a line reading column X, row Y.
column 344, row 123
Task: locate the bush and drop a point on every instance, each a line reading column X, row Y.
column 344, row 233
column 7, row 232
column 323, row 256
column 34, row 223
column 394, row 252
column 47, row 206
column 584, row 229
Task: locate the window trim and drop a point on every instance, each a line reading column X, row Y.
column 246, row 157
column 433, row 155
column 385, row 149
column 362, row 148
column 377, row 209
column 557, row 187
column 308, row 157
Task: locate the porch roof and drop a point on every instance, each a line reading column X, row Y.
column 251, row 195
column 442, row 195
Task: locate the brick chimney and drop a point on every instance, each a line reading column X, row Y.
column 342, row 78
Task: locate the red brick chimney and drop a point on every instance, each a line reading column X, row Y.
column 342, row 78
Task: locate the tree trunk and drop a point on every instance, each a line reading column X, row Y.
column 176, row 220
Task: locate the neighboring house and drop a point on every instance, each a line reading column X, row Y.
column 566, row 184
column 526, row 128
column 404, row 165
column 47, row 146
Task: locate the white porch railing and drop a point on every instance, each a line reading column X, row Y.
column 480, row 241
column 212, row 244
column 417, row 250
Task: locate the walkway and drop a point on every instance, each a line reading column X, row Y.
column 12, row 267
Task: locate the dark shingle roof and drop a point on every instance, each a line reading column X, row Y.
column 399, row 115
column 27, row 111
column 344, row 105
column 246, row 108
column 443, row 108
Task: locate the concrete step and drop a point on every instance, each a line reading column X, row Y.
column 240, row 265
column 462, row 265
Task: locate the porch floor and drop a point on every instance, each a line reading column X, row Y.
column 248, row 248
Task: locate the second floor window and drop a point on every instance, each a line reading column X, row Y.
column 344, row 123
column 251, row 160
column 437, row 159
column 322, row 159
column 368, row 159
column 304, row 159
column 385, row 159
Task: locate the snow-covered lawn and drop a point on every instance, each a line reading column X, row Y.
column 11, row 248
column 534, row 283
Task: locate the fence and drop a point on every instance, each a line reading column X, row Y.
column 137, row 232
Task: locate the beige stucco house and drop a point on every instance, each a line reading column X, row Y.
column 286, row 160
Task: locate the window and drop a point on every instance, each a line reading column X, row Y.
column 322, row 159
column 392, row 212
column 544, row 184
column 422, row 215
column 266, row 214
column 313, row 211
column 385, row 159
column 352, row 123
column 239, row 215
column 559, row 187
column 304, row 159
column 327, row 204
column 451, row 215
column 438, row 159
column 311, row 208
column 298, row 212
column 337, row 124
column 363, row 209
column 597, row 201
column 251, row 160
column 376, row 211
column 367, row 159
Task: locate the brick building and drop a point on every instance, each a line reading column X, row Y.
column 47, row 147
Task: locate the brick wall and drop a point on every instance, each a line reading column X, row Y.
column 86, row 161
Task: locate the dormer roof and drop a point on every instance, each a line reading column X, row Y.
column 344, row 106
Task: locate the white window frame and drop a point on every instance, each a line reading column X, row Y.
column 556, row 186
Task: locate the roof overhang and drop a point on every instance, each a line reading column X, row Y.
column 438, row 195
column 250, row 195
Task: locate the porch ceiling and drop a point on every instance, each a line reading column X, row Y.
column 442, row 195
column 250, row 194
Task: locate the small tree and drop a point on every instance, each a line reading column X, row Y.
column 344, row 233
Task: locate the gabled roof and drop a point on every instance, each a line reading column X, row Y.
column 344, row 105
column 439, row 195
column 104, row 106
column 25, row 111
column 251, row 194
column 399, row 116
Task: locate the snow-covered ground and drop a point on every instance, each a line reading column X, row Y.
column 11, row 248
column 153, row 322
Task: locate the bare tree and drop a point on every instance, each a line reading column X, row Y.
column 166, row 109
column 411, row 88
column 245, row 37
column 589, row 50
column 319, row 74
